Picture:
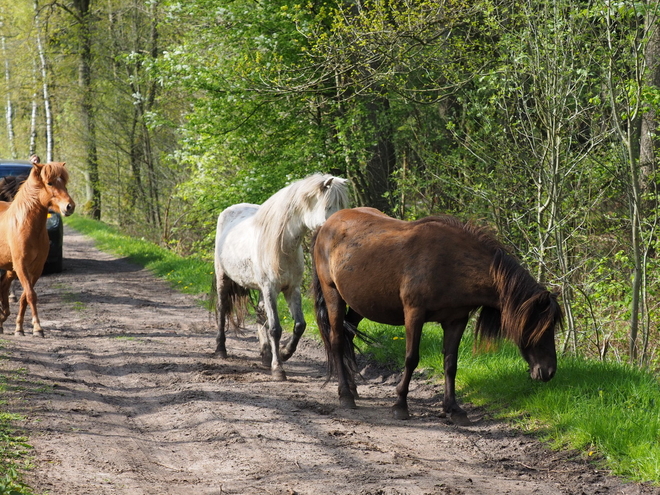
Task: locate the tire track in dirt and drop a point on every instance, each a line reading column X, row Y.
column 127, row 399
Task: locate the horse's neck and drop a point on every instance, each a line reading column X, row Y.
column 292, row 236
column 27, row 206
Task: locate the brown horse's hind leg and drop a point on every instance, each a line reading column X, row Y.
column 414, row 324
column 340, row 349
column 453, row 331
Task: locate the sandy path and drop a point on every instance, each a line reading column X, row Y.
column 124, row 397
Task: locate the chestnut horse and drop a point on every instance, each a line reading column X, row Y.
column 434, row 269
column 24, row 244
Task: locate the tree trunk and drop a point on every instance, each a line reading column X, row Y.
column 50, row 140
column 9, row 109
column 87, row 110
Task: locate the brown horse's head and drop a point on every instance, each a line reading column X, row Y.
column 528, row 315
column 541, row 314
column 53, row 178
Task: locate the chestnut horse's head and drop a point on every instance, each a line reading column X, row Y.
column 53, row 178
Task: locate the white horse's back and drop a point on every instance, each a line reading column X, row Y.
column 234, row 244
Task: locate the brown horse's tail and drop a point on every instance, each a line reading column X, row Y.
column 234, row 300
column 349, row 331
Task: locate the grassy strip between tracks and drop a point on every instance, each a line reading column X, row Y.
column 608, row 411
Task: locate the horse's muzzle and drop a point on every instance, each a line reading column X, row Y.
column 542, row 373
column 68, row 209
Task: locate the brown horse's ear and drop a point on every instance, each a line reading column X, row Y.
column 34, row 159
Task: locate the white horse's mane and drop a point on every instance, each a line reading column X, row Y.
column 281, row 219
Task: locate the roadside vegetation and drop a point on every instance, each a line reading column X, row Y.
column 607, row 411
column 14, row 449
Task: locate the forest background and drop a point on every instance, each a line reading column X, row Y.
column 536, row 118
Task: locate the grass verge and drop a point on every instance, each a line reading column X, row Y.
column 609, row 411
column 14, row 450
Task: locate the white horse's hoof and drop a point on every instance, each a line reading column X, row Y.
column 279, row 375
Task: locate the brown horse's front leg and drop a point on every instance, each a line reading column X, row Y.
column 452, row 338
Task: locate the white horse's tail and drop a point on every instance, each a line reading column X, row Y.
column 232, row 303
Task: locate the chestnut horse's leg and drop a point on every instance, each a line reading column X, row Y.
column 5, row 284
column 414, row 319
column 29, row 296
column 274, row 333
column 294, row 301
column 453, row 332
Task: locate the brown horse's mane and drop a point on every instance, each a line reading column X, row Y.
column 482, row 234
column 9, row 186
column 524, row 303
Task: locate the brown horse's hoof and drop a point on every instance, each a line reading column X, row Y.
column 38, row 333
column 285, row 354
column 220, row 354
column 19, row 333
column 460, row 418
column 347, row 403
column 278, row 375
column 400, row 413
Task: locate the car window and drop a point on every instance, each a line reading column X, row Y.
column 6, row 170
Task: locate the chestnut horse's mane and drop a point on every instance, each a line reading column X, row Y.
column 27, row 195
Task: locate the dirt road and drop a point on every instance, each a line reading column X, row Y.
column 129, row 400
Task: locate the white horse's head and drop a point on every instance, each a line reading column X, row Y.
column 327, row 195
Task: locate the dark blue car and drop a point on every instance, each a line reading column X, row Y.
column 54, row 225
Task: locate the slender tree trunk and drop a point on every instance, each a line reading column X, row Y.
column 9, row 108
column 33, row 116
column 50, row 139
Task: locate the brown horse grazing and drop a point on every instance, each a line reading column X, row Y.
column 24, row 240
column 434, row 269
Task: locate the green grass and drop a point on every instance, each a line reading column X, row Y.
column 608, row 411
column 14, row 450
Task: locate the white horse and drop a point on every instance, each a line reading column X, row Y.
column 259, row 247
